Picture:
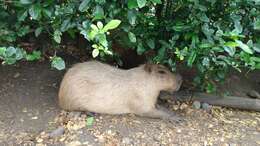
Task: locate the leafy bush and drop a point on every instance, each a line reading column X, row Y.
column 210, row 35
column 10, row 55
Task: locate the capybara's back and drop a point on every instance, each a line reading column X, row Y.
column 87, row 86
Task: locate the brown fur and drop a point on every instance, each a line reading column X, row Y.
column 97, row 87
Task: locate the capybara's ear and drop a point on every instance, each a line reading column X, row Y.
column 148, row 67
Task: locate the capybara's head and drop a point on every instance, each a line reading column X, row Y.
column 165, row 79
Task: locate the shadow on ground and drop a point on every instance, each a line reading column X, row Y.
column 28, row 95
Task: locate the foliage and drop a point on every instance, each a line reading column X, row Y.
column 57, row 62
column 97, row 34
column 210, row 35
column 10, row 55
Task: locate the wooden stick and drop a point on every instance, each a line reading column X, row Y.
column 244, row 103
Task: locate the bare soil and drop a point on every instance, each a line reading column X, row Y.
column 29, row 112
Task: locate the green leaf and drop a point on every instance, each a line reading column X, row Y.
column 2, row 51
column 65, row 25
column 10, row 51
column 131, row 16
column 84, row 5
column 132, row 37
column 23, row 16
column 257, row 66
column 205, row 62
column 150, row 43
column 57, row 36
column 217, row 49
column 86, row 24
column 140, row 49
column 9, row 61
column 230, row 50
column 22, row 31
column 205, row 45
column 58, row 63
column 19, row 54
column 255, row 59
column 178, row 27
column 141, row 3
column 210, row 88
column 161, row 53
column 26, row 2
column 100, row 1
column 238, row 27
column 47, row 12
column 90, row 121
column 95, row 53
column 100, row 25
column 257, row 24
column 191, row 58
column 38, row 31
column 91, row 35
column 111, row 25
column 203, row 17
column 35, row 11
column 132, row 4
column 102, row 40
column 156, row 1
column 244, row 47
column 231, row 44
column 36, row 55
column 98, row 13
column 94, row 27
column 256, row 47
column 250, row 43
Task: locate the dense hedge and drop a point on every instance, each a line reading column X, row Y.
column 210, row 35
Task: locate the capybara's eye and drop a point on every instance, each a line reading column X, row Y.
column 161, row 72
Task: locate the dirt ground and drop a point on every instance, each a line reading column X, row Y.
column 30, row 114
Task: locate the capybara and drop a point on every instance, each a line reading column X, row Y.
column 97, row 87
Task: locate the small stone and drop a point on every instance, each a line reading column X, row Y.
column 222, row 139
column 39, row 140
column 25, row 110
column 175, row 107
column 40, row 144
column 62, row 139
column 85, row 143
column 17, row 75
column 74, row 143
column 34, row 118
column 126, row 141
column 206, row 107
column 210, row 126
column 109, row 132
column 57, row 132
column 101, row 139
column 196, row 105
column 183, row 106
column 74, row 114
